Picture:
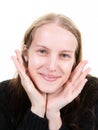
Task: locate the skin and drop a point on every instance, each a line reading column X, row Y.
column 51, row 57
column 49, row 61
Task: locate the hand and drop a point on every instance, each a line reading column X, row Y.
column 68, row 92
column 38, row 99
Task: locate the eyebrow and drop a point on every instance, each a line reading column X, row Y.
column 41, row 46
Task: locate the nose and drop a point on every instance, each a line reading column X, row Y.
column 52, row 63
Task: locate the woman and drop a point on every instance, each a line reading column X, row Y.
column 52, row 90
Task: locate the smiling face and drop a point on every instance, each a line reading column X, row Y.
column 51, row 57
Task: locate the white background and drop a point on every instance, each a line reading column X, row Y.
column 17, row 15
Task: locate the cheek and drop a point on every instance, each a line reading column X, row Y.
column 35, row 62
column 33, row 65
column 67, row 67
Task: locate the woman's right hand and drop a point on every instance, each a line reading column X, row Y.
column 38, row 99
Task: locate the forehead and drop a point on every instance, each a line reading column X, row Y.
column 52, row 34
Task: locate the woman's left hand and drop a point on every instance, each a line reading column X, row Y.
column 68, row 92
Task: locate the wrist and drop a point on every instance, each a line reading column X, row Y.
column 54, row 118
column 52, row 114
column 40, row 111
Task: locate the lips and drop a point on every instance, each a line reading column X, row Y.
column 49, row 78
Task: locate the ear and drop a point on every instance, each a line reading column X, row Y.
column 25, row 58
column 25, row 53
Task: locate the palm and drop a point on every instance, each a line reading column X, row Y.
column 70, row 90
column 34, row 95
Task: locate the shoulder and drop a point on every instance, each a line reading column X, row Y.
column 89, row 94
column 4, row 92
column 4, row 86
column 92, row 80
column 92, row 84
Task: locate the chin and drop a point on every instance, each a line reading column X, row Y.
column 47, row 90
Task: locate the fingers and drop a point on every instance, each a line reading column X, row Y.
column 19, row 57
column 79, row 86
column 77, row 81
column 78, row 77
column 34, row 95
column 84, row 74
column 18, row 62
column 25, row 80
column 78, row 72
column 19, row 66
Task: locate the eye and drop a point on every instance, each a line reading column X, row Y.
column 64, row 56
column 42, row 52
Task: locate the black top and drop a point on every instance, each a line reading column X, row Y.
column 32, row 121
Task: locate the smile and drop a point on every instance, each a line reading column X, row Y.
column 49, row 78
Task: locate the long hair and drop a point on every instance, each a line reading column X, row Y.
column 19, row 95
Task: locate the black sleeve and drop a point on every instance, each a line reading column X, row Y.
column 30, row 122
column 63, row 127
column 96, row 115
column 5, row 119
column 5, row 114
column 33, row 122
column 86, row 124
column 4, row 125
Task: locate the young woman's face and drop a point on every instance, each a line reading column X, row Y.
column 51, row 57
